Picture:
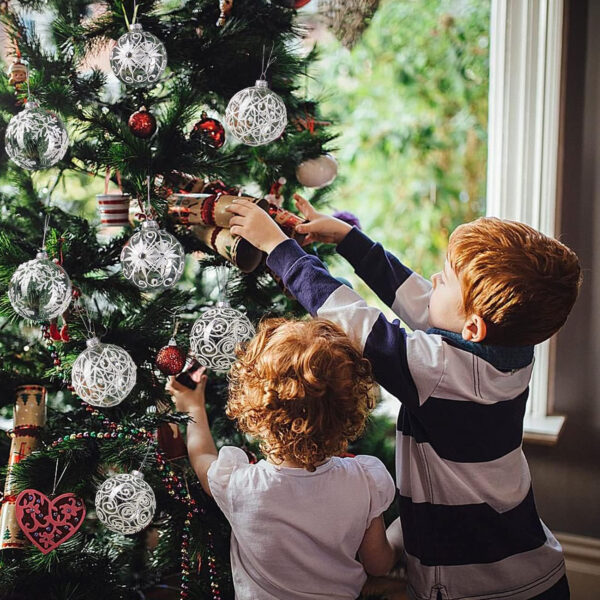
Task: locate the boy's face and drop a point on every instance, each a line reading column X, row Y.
column 445, row 303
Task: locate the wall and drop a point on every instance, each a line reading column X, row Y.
column 567, row 476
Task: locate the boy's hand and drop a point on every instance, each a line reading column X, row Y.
column 187, row 400
column 255, row 225
column 320, row 228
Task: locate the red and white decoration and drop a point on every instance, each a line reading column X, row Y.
column 48, row 523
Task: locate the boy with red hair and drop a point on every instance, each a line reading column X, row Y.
column 469, row 522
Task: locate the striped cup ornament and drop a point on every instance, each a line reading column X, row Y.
column 114, row 209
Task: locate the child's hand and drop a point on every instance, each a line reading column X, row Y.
column 321, row 228
column 187, row 400
column 255, row 225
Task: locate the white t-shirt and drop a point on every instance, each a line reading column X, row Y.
column 295, row 534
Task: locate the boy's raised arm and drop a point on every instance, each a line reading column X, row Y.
column 385, row 344
column 400, row 288
column 382, row 342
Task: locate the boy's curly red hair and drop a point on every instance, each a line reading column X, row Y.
column 303, row 388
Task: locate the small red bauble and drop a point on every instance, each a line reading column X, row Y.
column 142, row 123
column 210, row 131
column 170, row 359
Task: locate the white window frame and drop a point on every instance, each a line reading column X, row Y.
column 526, row 46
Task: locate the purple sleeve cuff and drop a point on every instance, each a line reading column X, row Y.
column 355, row 246
column 283, row 256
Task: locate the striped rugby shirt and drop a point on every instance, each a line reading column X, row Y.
column 471, row 528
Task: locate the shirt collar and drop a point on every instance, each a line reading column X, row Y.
column 503, row 358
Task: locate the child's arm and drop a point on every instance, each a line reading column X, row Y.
column 385, row 344
column 376, row 553
column 400, row 288
column 200, row 444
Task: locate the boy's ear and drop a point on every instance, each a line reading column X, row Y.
column 474, row 329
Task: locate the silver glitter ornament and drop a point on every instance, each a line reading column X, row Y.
column 125, row 503
column 103, row 374
column 40, row 289
column 215, row 335
column 256, row 115
column 152, row 259
column 36, row 138
column 139, row 58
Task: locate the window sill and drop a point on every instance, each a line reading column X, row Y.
column 543, row 430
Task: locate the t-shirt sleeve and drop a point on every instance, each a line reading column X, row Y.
column 381, row 485
column 219, row 475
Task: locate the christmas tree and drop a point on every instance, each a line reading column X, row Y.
column 133, row 96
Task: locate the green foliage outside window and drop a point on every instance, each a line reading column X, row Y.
column 410, row 102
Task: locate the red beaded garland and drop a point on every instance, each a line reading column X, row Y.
column 142, row 123
column 210, row 131
column 173, row 484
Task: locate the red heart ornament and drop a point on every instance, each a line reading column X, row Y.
column 48, row 523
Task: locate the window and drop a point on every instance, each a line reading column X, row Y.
column 523, row 148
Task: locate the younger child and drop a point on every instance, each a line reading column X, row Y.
column 469, row 520
column 300, row 517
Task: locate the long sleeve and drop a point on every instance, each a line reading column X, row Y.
column 404, row 291
column 382, row 342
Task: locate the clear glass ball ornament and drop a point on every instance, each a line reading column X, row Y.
column 215, row 335
column 36, row 138
column 139, row 57
column 103, row 374
column 125, row 503
column 40, row 289
column 256, row 115
column 152, row 259
column 317, row 172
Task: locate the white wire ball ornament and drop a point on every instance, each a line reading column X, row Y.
column 256, row 115
column 139, row 58
column 215, row 335
column 40, row 289
column 125, row 503
column 153, row 259
column 103, row 374
column 36, row 138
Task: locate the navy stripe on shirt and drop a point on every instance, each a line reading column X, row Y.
column 391, row 368
column 464, row 431
column 468, row 534
column 379, row 269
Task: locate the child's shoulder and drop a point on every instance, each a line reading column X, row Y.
column 375, row 471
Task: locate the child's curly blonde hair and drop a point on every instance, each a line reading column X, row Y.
column 303, row 388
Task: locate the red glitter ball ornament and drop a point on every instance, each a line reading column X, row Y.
column 210, row 131
column 170, row 359
column 142, row 123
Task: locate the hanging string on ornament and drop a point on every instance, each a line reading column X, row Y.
column 152, row 259
column 256, row 115
column 139, row 58
column 142, row 123
column 48, row 521
column 40, row 289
